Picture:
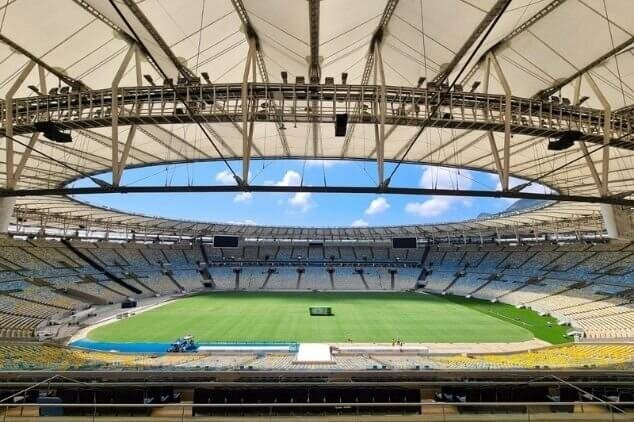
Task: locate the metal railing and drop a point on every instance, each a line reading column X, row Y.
column 437, row 411
column 304, row 103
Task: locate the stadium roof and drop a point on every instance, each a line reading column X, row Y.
column 580, row 51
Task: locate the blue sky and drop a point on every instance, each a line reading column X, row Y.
column 305, row 209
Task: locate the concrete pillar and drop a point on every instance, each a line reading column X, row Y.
column 618, row 222
column 6, row 211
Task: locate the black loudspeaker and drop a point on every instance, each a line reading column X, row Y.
column 51, row 132
column 565, row 140
column 341, row 124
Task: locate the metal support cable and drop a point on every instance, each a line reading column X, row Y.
column 440, row 93
column 55, row 160
column 171, row 83
column 567, row 163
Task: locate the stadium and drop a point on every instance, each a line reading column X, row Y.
column 317, row 209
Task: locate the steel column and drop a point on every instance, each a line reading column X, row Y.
column 582, row 145
column 607, row 133
column 115, row 113
column 34, row 137
column 8, row 120
column 246, row 138
column 560, row 83
column 128, row 143
column 377, row 37
column 494, row 148
column 507, row 122
column 382, row 103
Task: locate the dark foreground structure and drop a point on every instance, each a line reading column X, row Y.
column 354, row 395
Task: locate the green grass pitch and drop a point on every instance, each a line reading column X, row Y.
column 360, row 317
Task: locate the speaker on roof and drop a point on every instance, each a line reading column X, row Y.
column 341, row 123
column 53, row 133
column 564, row 141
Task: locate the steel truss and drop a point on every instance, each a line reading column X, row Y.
column 296, row 103
column 128, row 226
column 614, row 200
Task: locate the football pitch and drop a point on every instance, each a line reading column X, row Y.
column 358, row 317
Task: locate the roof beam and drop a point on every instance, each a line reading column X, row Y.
column 156, row 36
column 97, row 14
column 75, row 83
column 624, row 110
column 615, row 200
column 65, row 78
column 106, row 141
column 264, row 74
column 157, row 41
column 377, row 37
column 314, row 69
column 515, row 32
column 560, row 83
column 497, row 8
column 314, row 65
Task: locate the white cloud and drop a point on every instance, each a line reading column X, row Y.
column 321, row 163
column 243, row 197
column 360, row 222
column 441, row 178
column 290, row 178
column 433, row 207
column 246, row 222
column 445, row 178
column 377, row 206
column 301, row 201
column 225, row 178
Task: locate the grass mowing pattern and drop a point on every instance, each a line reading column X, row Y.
column 281, row 316
column 526, row 318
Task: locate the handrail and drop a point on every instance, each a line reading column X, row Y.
column 294, row 103
column 309, row 405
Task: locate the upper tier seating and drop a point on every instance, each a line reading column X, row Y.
column 223, row 277
column 467, row 284
column 347, row 279
column 283, row 278
column 315, row 278
column 406, row 278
